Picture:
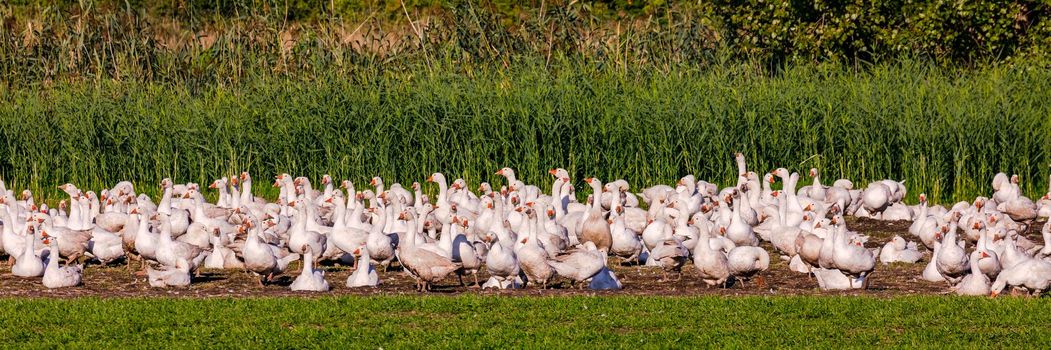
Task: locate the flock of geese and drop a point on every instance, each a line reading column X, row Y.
column 525, row 237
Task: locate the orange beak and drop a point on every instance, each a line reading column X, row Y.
column 552, row 171
column 499, row 172
column 429, row 179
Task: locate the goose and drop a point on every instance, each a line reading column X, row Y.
column 975, row 283
column 951, row 260
column 55, row 276
column 595, row 229
column 380, row 245
column 532, row 257
column 711, row 264
column 930, row 273
column 261, row 258
column 794, row 212
column 13, row 230
column 896, row 212
column 658, row 229
column 28, row 263
column 1044, row 204
column 169, row 251
column 342, row 236
column 364, row 274
column 808, row 249
column 747, row 261
column 876, row 197
column 834, row 279
column 425, row 266
column 300, row 236
column 502, row 265
column 464, row 254
column 1045, row 232
column 309, row 279
column 816, row 191
column 924, row 223
column 174, row 276
column 1020, row 208
column 626, row 243
column 442, row 207
column 106, row 247
column 222, row 257
column 531, row 192
column 580, row 265
column 853, row 260
column 71, row 244
column 1005, row 188
column 898, row 250
column 670, row 255
column 1033, row 274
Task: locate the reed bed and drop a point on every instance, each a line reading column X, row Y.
column 945, row 132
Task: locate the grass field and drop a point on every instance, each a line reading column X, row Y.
column 501, row 322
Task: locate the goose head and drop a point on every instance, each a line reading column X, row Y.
column 506, row 172
column 559, row 173
column 436, row 178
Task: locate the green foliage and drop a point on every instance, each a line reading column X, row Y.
column 223, row 40
column 525, row 322
column 952, row 31
column 946, row 132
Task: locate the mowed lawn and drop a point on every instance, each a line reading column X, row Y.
column 550, row 322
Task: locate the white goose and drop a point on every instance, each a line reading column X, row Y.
column 364, row 274
column 309, row 279
column 59, row 277
column 170, row 276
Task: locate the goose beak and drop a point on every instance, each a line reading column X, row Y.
column 499, row 172
column 372, row 182
column 429, row 179
column 552, row 171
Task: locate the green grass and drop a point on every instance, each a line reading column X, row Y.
column 502, row 322
column 944, row 131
